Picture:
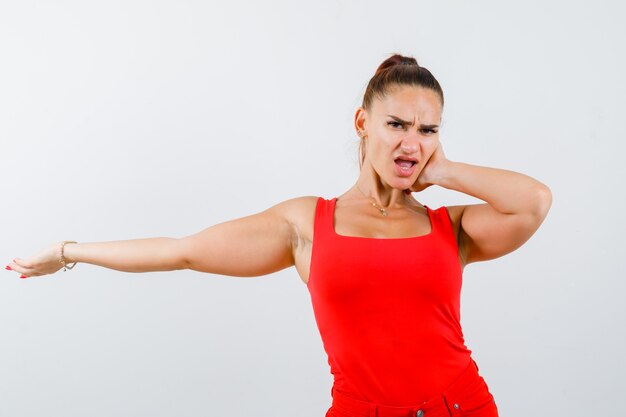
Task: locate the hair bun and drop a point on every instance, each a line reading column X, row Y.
column 406, row 60
column 396, row 59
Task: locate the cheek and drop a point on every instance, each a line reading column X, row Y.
column 432, row 146
column 378, row 150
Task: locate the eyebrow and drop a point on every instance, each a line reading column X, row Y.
column 423, row 126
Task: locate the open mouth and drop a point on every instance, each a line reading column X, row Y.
column 405, row 167
column 404, row 163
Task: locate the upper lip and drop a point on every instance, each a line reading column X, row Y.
column 406, row 158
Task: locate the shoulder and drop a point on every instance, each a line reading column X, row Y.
column 299, row 212
column 452, row 214
column 297, row 206
column 456, row 213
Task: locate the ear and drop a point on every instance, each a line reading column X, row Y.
column 360, row 119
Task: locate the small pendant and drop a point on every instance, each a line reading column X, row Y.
column 382, row 210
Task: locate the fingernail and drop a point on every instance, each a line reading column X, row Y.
column 8, row 267
column 23, row 276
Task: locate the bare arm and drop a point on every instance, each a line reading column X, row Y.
column 254, row 245
column 515, row 207
column 249, row 246
column 135, row 255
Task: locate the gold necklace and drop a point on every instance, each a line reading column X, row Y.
column 382, row 210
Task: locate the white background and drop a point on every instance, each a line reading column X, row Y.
column 131, row 119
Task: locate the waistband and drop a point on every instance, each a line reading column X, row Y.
column 467, row 386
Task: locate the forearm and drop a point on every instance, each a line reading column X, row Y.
column 136, row 255
column 506, row 191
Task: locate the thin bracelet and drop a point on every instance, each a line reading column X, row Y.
column 62, row 260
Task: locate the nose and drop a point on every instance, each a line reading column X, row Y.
column 409, row 145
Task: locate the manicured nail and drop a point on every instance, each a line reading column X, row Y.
column 8, row 267
column 23, row 276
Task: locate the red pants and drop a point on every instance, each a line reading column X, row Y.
column 468, row 396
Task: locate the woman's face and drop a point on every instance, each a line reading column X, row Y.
column 402, row 133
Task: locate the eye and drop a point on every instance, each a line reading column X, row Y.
column 429, row 131
column 394, row 123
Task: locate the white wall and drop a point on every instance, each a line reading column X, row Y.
column 129, row 119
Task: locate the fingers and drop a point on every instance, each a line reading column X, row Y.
column 18, row 265
column 42, row 263
column 24, row 263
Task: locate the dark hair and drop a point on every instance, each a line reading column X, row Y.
column 395, row 71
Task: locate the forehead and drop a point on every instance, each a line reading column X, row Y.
column 408, row 102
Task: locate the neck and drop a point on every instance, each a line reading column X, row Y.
column 373, row 186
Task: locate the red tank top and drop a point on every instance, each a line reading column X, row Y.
column 388, row 310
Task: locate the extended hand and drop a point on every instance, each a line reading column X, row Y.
column 43, row 263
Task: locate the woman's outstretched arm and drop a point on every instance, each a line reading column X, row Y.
column 249, row 246
column 134, row 255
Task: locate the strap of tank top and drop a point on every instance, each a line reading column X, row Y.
column 442, row 223
column 323, row 219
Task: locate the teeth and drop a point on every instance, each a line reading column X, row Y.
column 404, row 164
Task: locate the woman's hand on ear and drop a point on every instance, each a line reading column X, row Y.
column 434, row 169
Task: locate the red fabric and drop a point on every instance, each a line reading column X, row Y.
column 388, row 310
column 468, row 396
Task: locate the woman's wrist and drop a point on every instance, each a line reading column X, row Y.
column 68, row 252
column 438, row 174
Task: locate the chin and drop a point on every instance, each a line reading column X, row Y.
column 402, row 183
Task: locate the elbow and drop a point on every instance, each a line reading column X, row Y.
column 180, row 253
column 542, row 201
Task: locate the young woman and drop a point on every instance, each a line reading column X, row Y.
column 383, row 270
